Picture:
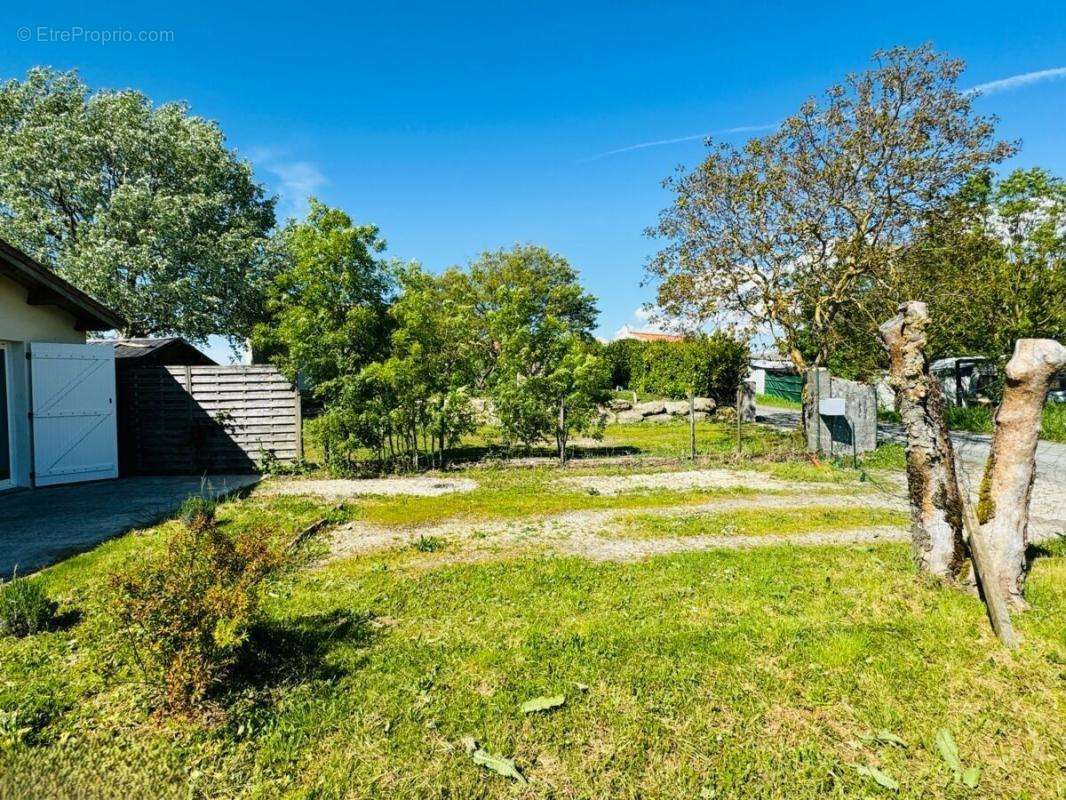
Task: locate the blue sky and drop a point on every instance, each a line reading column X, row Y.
column 458, row 127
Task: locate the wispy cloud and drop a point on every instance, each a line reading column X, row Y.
column 297, row 180
column 1018, row 81
column 294, row 179
column 659, row 142
column 991, row 87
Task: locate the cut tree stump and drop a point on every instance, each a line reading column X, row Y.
column 1003, row 505
column 936, row 506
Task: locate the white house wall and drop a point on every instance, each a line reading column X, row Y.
column 21, row 323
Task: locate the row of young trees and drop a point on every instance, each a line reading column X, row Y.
column 397, row 355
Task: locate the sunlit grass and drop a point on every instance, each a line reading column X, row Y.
column 757, row 522
column 755, row 674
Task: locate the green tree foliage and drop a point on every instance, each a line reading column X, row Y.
column 995, row 271
column 624, row 356
column 789, row 230
column 328, row 303
column 329, row 320
column 428, row 373
column 143, row 207
column 709, row 365
column 992, row 270
column 548, row 377
column 397, row 374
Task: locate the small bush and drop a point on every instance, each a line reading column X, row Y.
column 186, row 612
column 25, row 608
column 428, row 544
column 197, row 513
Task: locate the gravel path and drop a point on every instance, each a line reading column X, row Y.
column 594, row 534
column 339, row 489
column 579, row 532
column 694, row 479
column 597, row 548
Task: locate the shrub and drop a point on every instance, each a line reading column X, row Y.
column 711, row 366
column 622, row 356
column 25, row 608
column 186, row 612
column 197, row 513
column 428, row 544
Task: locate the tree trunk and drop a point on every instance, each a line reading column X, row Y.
column 1003, row 507
column 936, row 506
column 560, row 433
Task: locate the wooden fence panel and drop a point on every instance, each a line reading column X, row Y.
column 195, row 420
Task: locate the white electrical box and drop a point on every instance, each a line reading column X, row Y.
column 831, row 406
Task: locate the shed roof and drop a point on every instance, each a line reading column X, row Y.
column 138, row 348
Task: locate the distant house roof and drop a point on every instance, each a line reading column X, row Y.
column 171, row 351
column 647, row 336
column 45, row 288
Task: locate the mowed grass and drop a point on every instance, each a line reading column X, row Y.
column 760, row 673
column 714, row 441
column 757, row 522
column 506, row 492
column 756, row 674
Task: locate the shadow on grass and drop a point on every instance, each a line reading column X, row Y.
column 66, row 620
column 296, row 651
column 468, row 454
column 1051, row 548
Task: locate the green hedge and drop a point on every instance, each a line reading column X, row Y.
column 711, row 366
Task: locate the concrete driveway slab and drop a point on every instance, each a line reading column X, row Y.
column 39, row 527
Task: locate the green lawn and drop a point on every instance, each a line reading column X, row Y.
column 761, row 673
column 778, row 402
column 979, row 419
column 714, row 440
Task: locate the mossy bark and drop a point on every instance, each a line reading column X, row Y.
column 936, row 506
column 1003, row 509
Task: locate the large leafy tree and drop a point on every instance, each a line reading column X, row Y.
column 328, row 303
column 789, row 231
column 142, row 206
column 992, row 270
column 547, row 377
column 430, row 366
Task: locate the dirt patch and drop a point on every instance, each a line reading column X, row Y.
column 338, row 489
column 598, row 548
column 579, row 532
column 689, row 479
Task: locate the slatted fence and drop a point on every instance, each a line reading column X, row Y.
column 194, row 420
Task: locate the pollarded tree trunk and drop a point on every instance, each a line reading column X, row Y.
column 1003, row 507
column 936, row 506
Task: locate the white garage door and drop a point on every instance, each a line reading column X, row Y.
column 74, row 434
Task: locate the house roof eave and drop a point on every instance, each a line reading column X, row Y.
column 44, row 287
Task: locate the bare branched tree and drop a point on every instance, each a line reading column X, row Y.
column 785, row 231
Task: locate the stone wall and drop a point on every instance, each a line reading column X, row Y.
column 624, row 411
column 853, row 433
column 657, row 410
